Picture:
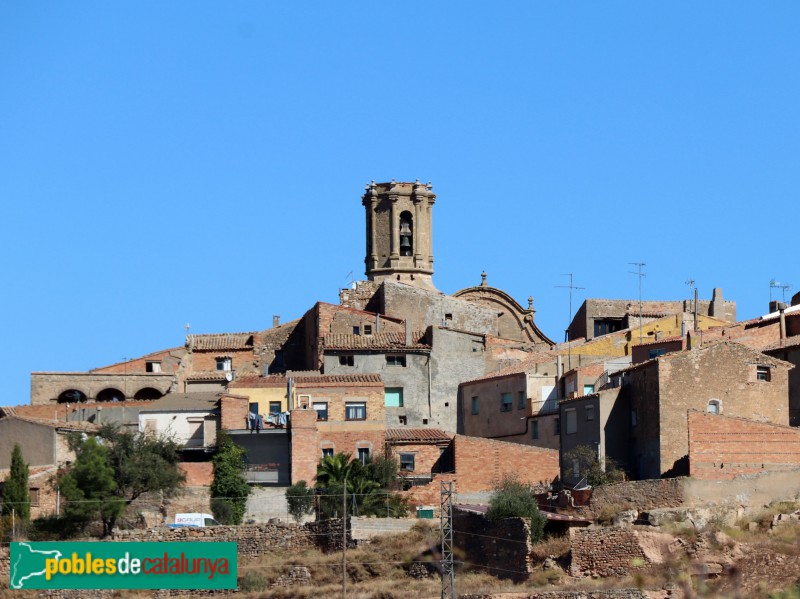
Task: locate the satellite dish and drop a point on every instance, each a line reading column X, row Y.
column 228, row 377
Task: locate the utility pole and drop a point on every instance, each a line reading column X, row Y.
column 693, row 287
column 344, row 538
column 639, row 266
column 446, row 524
column 569, row 318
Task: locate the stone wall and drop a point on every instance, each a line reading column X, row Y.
column 722, row 447
column 605, row 552
column 640, row 494
column 47, row 386
column 501, row 549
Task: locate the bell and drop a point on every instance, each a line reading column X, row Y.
column 405, row 241
column 405, row 228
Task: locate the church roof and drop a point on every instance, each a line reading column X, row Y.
column 389, row 341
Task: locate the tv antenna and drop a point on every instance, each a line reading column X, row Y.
column 571, row 287
column 639, row 273
column 773, row 284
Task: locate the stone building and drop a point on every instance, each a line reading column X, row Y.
column 598, row 317
column 641, row 422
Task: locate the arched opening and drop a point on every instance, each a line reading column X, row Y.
column 111, row 394
column 713, row 406
column 147, row 394
column 72, row 396
column 406, row 234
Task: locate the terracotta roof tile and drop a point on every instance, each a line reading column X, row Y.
column 432, row 435
column 382, row 341
column 79, row 425
column 337, row 378
column 221, row 341
column 213, row 375
column 254, row 381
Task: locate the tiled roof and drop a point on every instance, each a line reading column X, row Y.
column 78, row 426
column 662, row 340
column 382, row 341
column 254, row 381
column 221, row 341
column 212, row 375
column 790, row 342
column 144, row 357
column 430, row 435
column 337, row 378
column 520, row 367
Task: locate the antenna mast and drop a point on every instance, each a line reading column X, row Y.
column 569, row 319
column 639, row 273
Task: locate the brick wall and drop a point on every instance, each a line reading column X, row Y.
column 426, row 456
column 305, row 446
column 479, row 463
column 722, row 447
column 233, row 412
column 350, row 441
column 606, row 552
column 169, row 359
column 242, row 361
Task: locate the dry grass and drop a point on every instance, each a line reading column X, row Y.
column 556, row 547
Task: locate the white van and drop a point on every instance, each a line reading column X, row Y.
column 194, row 519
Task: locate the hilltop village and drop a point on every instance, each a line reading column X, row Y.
column 463, row 388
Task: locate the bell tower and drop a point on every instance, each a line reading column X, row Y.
column 399, row 236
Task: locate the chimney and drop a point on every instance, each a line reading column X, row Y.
column 717, row 307
column 782, row 308
column 408, row 332
column 276, row 321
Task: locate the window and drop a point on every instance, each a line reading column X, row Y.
column 152, row 366
column 588, row 389
column 327, row 452
column 355, row 411
column 346, row 361
column 303, row 402
column 589, row 412
column 322, row 409
column 521, row 401
column 407, row 462
column 534, row 429
column 474, row 405
column 572, row 421
column 402, row 420
column 557, row 426
column 634, row 418
column 34, row 493
column 505, row 402
column 363, row 455
column 224, row 364
column 395, row 360
column 368, row 329
column 393, row 397
column 713, row 406
column 654, row 353
column 277, row 363
column 604, row 326
column 356, row 330
column 762, row 373
column 448, row 318
column 274, row 407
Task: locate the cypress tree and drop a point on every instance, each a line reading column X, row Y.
column 15, row 491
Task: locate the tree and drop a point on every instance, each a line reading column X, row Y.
column 15, row 490
column 300, row 499
column 596, row 472
column 514, row 499
column 367, row 487
column 90, row 489
column 142, row 463
column 229, row 489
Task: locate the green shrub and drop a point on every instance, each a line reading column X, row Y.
column 300, row 499
column 515, row 499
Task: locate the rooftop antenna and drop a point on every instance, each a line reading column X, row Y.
column 639, row 273
column 571, row 286
column 350, row 279
column 693, row 287
column 773, row 284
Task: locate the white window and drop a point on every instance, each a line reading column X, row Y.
column 572, row 421
column 713, row 406
column 355, row 411
column 322, row 409
column 407, row 462
column 224, row 364
column 762, row 373
column 152, row 366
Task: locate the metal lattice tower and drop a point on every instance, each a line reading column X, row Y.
column 446, row 521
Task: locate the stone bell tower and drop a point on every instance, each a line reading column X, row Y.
column 399, row 235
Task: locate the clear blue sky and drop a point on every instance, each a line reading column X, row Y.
column 172, row 162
